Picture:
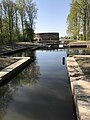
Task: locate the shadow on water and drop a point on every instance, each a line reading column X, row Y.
column 28, row 76
column 26, row 53
column 40, row 92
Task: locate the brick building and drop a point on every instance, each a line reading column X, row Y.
column 47, row 37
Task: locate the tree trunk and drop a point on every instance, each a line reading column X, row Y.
column 84, row 25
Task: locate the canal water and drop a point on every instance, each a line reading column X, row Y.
column 40, row 92
column 78, row 51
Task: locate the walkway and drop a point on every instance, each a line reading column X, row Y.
column 79, row 73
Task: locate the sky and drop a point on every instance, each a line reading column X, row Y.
column 52, row 16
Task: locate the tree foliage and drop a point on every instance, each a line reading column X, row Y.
column 17, row 20
column 79, row 19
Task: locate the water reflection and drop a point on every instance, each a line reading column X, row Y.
column 40, row 92
column 6, row 93
column 78, row 51
column 26, row 53
column 29, row 76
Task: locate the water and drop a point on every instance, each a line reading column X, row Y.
column 40, row 92
column 78, row 51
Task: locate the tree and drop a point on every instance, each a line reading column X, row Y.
column 8, row 18
column 16, row 23
column 79, row 18
column 17, row 20
column 21, row 10
column 31, row 14
column 1, row 22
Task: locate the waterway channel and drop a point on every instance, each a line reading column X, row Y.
column 41, row 91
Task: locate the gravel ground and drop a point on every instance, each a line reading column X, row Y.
column 6, row 61
column 84, row 64
column 9, row 48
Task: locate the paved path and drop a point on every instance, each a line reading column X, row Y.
column 80, row 86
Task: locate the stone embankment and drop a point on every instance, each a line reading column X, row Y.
column 10, row 65
column 13, row 68
column 78, row 44
column 79, row 73
column 12, row 49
